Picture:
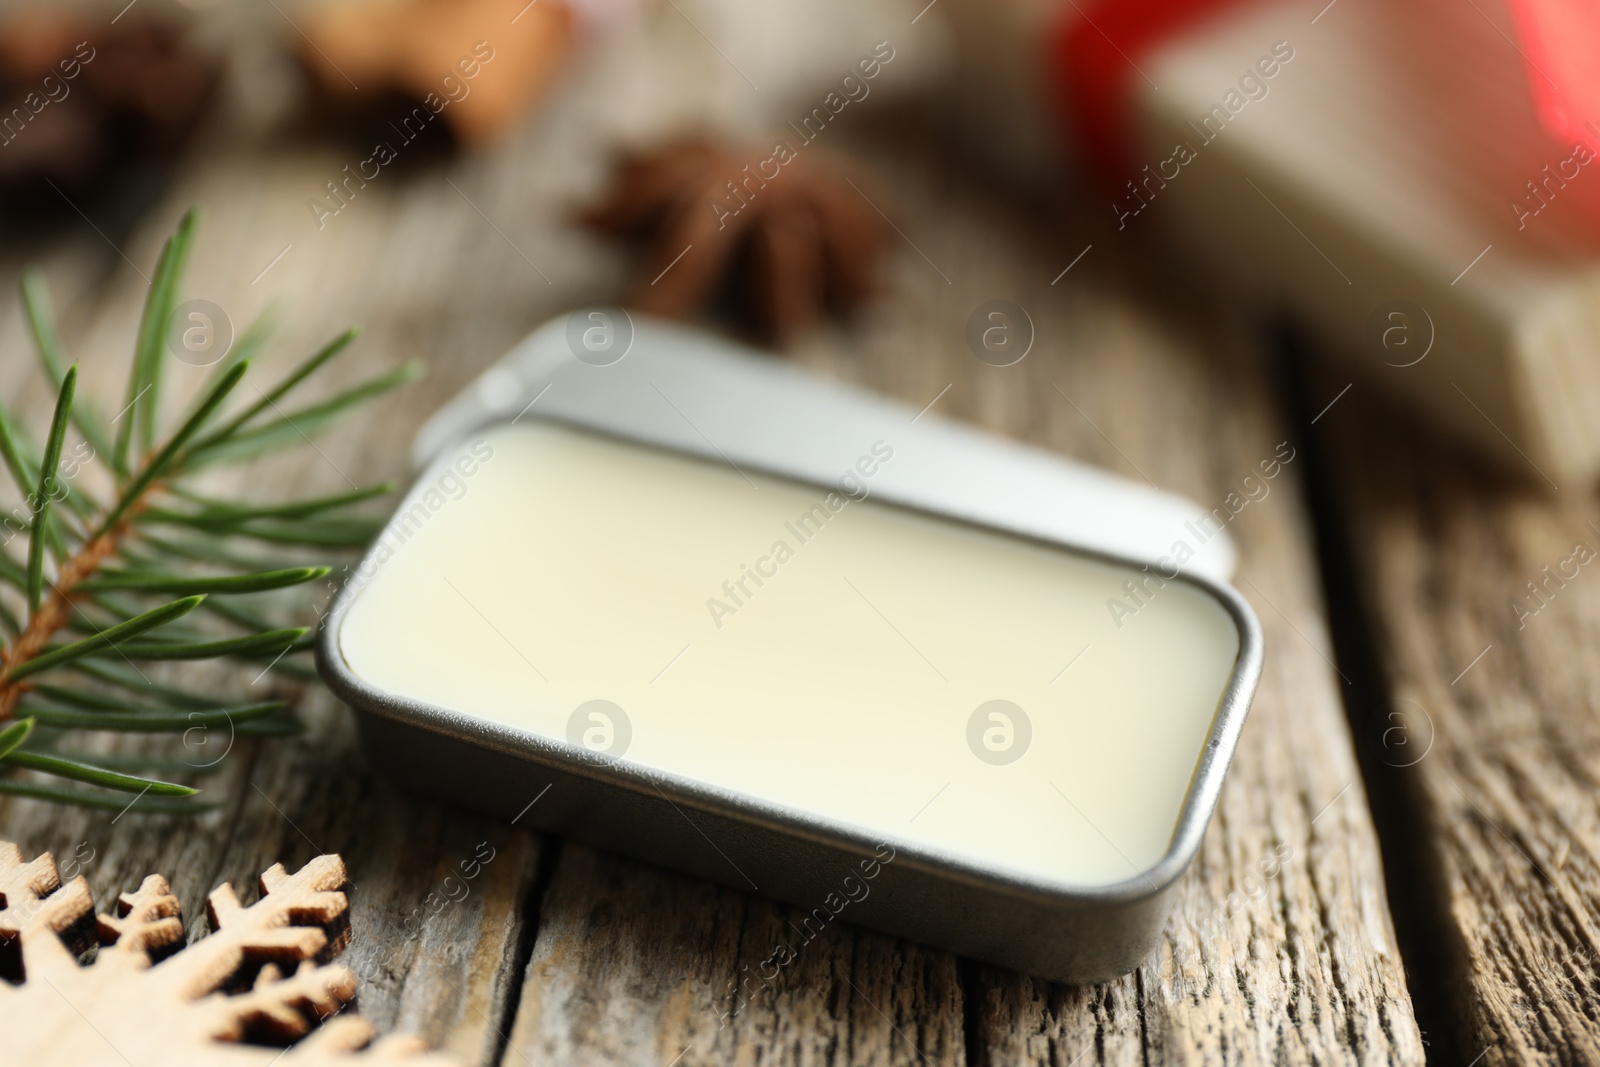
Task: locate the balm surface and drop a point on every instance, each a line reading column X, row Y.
column 1000, row 701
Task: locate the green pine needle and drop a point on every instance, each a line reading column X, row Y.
column 151, row 722
column 144, row 382
column 87, row 798
column 44, row 495
column 107, row 638
column 86, row 772
column 95, row 592
column 217, row 513
column 272, row 641
column 183, row 584
column 159, row 764
column 13, row 736
column 326, row 533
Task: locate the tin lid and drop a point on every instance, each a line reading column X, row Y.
column 681, row 388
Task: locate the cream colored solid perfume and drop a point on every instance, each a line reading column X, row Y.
column 699, row 607
column 794, row 644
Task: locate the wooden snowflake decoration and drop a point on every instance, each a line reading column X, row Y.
column 148, row 1000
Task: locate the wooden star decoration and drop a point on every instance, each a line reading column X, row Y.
column 783, row 236
column 146, row 999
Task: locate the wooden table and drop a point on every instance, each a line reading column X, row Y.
column 1406, row 724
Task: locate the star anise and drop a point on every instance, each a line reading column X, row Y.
column 780, row 235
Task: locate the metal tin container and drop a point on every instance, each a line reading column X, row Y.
column 681, row 391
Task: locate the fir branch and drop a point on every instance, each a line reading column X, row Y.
column 112, row 577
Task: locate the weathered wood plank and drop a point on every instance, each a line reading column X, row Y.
column 1497, row 676
column 633, row 964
